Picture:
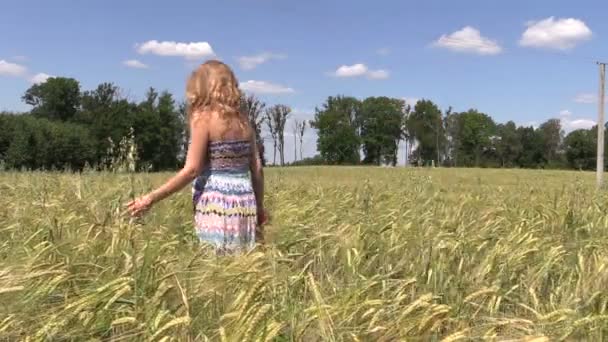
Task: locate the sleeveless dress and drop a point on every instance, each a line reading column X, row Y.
column 225, row 214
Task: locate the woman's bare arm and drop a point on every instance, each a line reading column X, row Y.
column 194, row 165
column 257, row 175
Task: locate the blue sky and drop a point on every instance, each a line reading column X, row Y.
column 525, row 61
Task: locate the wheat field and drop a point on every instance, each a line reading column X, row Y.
column 353, row 254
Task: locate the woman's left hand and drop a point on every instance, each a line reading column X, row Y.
column 140, row 205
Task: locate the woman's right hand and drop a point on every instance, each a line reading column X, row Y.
column 262, row 216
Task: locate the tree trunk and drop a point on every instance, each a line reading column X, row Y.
column 274, row 154
column 406, row 156
column 282, row 151
column 301, row 157
column 295, row 148
column 437, row 141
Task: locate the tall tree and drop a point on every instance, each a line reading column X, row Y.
column 108, row 116
column 147, row 131
column 380, row 123
column 532, row 148
column 301, row 134
column 580, row 148
column 296, row 130
column 56, row 99
column 552, row 136
column 509, row 146
column 475, row 131
column 253, row 108
column 425, row 125
column 170, row 132
column 407, row 136
column 182, row 115
column 338, row 139
column 272, row 129
column 7, row 133
column 451, row 124
column 277, row 116
column 96, row 102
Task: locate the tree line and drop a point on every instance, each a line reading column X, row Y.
column 369, row 131
column 69, row 127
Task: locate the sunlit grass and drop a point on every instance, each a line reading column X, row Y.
column 354, row 254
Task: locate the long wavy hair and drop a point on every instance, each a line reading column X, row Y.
column 213, row 87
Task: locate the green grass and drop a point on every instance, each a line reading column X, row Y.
column 354, row 254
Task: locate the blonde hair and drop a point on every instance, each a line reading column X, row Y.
column 213, row 87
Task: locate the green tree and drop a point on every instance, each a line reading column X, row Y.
column 532, row 148
column 107, row 116
column 580, row 148
column 182, row 114
column 406, row 136
column 380, row 121
column 338, row 139
column 425, row 125
column 552, row 136
column 475, row 131
column 96, row 102
column 509, row 146
column 303, row 125
column 147, row 128
column 451, row 124
column 7, row 132
column 170, row 132
column 57, row 99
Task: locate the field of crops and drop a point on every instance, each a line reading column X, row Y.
column 353, row 254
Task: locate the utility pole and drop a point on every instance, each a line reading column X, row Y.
column 437, row 143
column 600, row 127
column 296, row 129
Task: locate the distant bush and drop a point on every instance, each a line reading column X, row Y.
column 312, row 161
column 27, row 142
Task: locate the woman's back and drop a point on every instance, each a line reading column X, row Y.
column 223, row 196
column 222, row 163
column 230, row 144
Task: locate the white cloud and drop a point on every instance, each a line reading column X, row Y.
column 251, row 62
column 263, row 87
column 190, row 50
column 585, row 98
column 134, row 63
column 17, row 70
column 11, row 69
column 560, row 34
column 383, row 51
column 469, row 39
column 354, row 70
column 569, row 124
column 303, row 113
column 360, row 69
column 40, row 78
column 378, row 74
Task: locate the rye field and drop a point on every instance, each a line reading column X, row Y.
column 352, row 254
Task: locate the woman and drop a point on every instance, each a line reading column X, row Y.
column 223, row 162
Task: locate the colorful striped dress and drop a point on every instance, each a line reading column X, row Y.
column 225, row 214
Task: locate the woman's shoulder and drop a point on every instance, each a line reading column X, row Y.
column 200, row 116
